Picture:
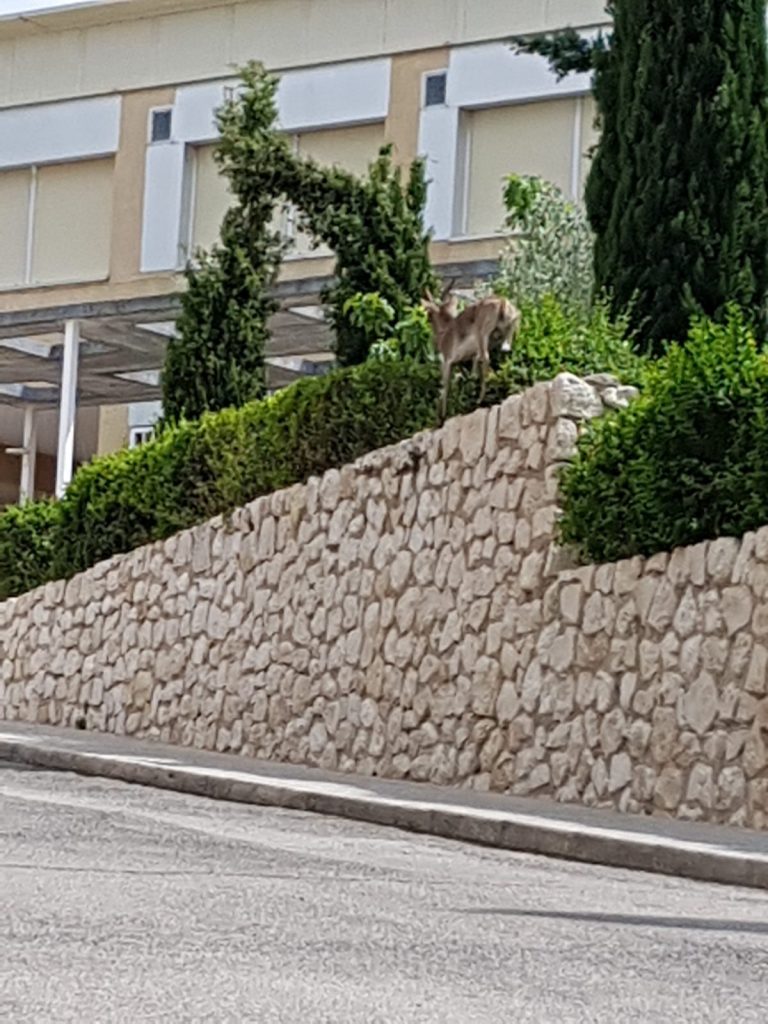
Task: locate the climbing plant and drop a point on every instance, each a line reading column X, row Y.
column 373, row 223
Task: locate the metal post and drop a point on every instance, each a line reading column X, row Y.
column 28, row 456
column 65, row 459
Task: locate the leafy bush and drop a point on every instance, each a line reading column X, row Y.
column 410, row 337
column 550, row 249
column 27, row 539
column 553, row 339
column 687, row 461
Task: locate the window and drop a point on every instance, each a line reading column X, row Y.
column 57, row 223
column 529, row 138
column 435, row 85
column 139, row 435
column 161, row 123
column 211, row 198
column 14, row 216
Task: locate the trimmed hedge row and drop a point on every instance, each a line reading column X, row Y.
column 199, row 469
column 686, row 462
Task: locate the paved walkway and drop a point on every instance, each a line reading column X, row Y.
column 704, row 852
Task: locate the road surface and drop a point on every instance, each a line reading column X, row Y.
column 123, row 904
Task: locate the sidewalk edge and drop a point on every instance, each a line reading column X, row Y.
column 508, row 831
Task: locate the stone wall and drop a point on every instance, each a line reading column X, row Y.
column 648, row 687
column 409, row 616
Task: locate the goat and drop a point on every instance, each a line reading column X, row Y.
column 470, row 334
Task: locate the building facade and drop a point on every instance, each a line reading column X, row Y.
column 107, row 178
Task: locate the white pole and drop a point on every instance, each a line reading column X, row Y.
column 65, row 460
column 576, row 153
column 28, row 456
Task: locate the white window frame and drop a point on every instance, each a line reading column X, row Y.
column 140, row 435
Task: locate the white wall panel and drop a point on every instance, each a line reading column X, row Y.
column 54, row 132
column 345, row 94
column 353, row 93
column 482, row 76
column 163, row 201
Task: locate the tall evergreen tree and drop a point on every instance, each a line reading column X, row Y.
column 216, row 360
column 678, row 190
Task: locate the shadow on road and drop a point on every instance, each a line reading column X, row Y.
column 706, row 924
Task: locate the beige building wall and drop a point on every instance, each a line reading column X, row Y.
column 129, row 175
column 405, row 99
column 83, row 243
column 141, row 44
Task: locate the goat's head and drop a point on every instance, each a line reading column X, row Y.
column 442, row 310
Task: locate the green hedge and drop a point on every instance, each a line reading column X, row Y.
column 686, row 462
column 199, row 469
column 28, row 537
column 196, row 470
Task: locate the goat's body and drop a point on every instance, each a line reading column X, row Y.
column 470, row 336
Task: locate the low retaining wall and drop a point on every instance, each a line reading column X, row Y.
column 406, row 617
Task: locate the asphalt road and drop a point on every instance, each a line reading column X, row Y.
column 123, row 904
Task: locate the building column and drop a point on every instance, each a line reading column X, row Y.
column 65, row 458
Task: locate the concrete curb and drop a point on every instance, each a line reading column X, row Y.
column 727, row 858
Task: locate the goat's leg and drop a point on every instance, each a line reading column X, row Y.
column 483, row 367
column 446, row 378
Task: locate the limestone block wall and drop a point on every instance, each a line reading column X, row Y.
column 649, row 687
column 410, row 616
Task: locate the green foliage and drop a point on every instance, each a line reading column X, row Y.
column 408, row 338
column 555, row 338
column 678, row 190
column 550, row 249
column 370, row 312
column 567, row 51
column 687, row 461
column 217, row 358
column 27, row 539
column 193, row 471
column 374, row 224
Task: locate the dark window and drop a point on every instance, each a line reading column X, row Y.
column 435, row 90
column 161, row 125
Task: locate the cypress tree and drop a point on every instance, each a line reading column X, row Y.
column 216, row 360
column 678, row 191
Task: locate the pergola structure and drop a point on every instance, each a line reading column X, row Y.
column 112, row 352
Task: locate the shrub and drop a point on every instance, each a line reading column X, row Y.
column 550, row 248
column 195, row 470
column 27, row 539
column 553, row 339
column 687, row 461
column 374, row 223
